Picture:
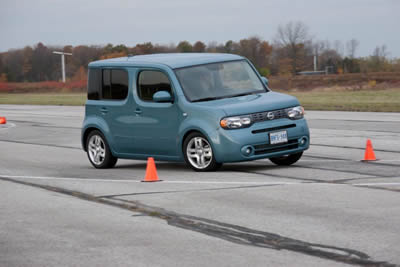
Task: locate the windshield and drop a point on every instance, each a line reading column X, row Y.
column 219, row 80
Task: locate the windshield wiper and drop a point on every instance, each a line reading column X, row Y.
column 243, row 94
column 227, row 96
column 207, row 99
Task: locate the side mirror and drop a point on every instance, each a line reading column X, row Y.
column 162, row 96
column 265, row 80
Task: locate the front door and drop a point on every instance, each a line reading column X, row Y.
column 156, row 124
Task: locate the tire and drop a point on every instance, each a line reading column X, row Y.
column 198, row 153
column 98, row 151
column 287, row 159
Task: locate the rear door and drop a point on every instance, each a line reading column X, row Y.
column 113, row 104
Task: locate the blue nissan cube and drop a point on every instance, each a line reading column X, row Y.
column 204, row 109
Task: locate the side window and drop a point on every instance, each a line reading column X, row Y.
column 94, row 83
column 150, row 82
column 119, row 84
column 115, row 84
column 106, row 88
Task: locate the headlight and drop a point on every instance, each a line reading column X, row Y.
column 295, row 113
column 236, row 122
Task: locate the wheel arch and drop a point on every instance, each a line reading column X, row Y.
column 187, row 133
column 86, row 134
column 214, row 164
column 212, row 138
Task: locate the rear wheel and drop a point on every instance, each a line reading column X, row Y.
column 287, row 159
column 99, row 152
column 198, row 153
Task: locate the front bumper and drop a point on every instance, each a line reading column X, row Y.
column 234, row 145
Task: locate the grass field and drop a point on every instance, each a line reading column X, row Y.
column 364, row 100
column 387, row 100
column 67, row 99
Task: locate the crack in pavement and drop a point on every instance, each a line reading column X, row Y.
column 324, row 157
column 190, row 190
column 38, row 144
column 46, row 125
column 343, row 171
column 344, row 181
column 276, row 175
column 229, row 232
column 379, row 163
column 379, row 188
column 352, row 147
column 338, row 181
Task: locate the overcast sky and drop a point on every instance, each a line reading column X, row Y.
column 96, row 22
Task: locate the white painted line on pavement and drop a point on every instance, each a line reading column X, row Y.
column 137, row 181
column 375, row 184
column 227, row 182
column 388, row 160
column 8, row 125
column 350, row 160
column 183, row 182
column 63, row 178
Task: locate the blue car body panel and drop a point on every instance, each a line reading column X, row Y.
column 171, row 60
column 159, row 129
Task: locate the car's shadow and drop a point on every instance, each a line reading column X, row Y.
column 182, row 167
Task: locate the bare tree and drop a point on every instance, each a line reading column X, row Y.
column 379, row 58
column 380, row 52
column 351, row 47
column 338, row 47
column 293, row 37
column 212, row 47
column 319, row 47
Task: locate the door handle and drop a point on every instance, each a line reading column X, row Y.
column 138, row 111
column 103, row 110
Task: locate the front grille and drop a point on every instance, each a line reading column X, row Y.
column 273, row 128
column 263, row 116
column 267, row 148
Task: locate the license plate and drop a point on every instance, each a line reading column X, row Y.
column 278, row 137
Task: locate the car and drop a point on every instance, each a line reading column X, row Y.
column 204, row 109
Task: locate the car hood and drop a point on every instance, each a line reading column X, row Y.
column 252, row 103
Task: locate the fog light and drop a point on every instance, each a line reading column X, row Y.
column 247, row 151
column 303, row 141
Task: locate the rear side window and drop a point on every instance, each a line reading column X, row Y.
column 150, row 82
column 115, row 84
column 119, row 84
column 94, row 82
column 111, row 84
column 106, row 85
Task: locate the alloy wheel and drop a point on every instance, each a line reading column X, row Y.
column 96, row 149
column 199, row 152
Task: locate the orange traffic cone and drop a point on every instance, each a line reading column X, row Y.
column 3, row 120
column 369, row 152
column 151, row 172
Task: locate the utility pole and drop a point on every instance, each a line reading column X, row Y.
column 315, row 63
column 62, row 62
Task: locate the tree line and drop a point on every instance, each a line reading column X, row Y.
column 293, row 50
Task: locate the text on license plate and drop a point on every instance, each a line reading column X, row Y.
column 278, row 137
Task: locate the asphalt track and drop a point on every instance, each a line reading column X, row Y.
column 329, row 209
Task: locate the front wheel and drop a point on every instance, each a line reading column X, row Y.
column 99, row 152
column 198, row 153
column 287, row 159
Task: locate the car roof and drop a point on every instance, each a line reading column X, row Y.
column 173, row 60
